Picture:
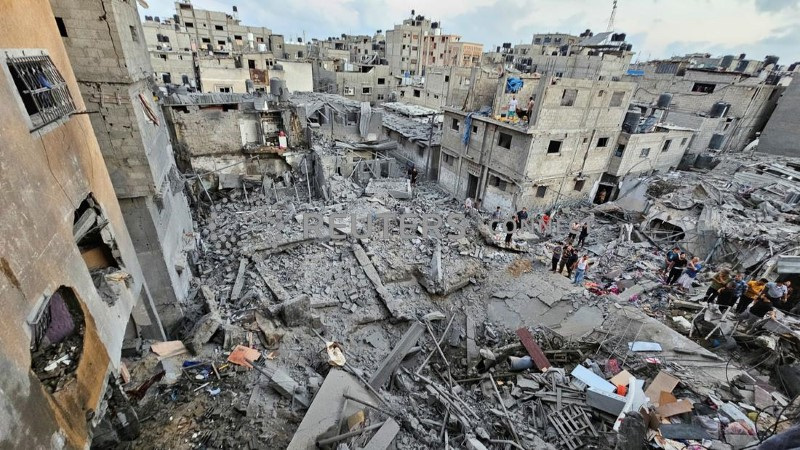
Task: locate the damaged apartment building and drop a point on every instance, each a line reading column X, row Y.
column 113, row 74
column 212, row 51
column 72, row 277
column 728, row 109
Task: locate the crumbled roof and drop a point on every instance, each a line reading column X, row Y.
column 415, row 130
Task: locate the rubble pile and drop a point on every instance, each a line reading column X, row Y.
column 309, row 330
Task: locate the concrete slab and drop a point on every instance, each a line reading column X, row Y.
column 326, row 407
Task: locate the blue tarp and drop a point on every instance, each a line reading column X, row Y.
column 513, row 85
column 636, row 73
column 468, row 123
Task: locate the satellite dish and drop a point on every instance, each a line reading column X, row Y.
column 143, row 4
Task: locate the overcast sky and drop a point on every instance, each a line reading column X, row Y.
column 657, row 28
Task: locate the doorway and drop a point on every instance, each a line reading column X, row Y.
column 472, row 186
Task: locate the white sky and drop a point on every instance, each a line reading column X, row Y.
column 656, row 28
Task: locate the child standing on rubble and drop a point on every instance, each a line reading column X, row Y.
column 685, row 281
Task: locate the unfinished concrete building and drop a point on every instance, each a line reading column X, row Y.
column 560, row 157
column 372, row 84
column 71, row 283
column 111, row 63
column 727, row 109
column 780, row 135
column 457, row 87
column 404, row 44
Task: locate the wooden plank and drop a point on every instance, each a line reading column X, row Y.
column 539, row 359
column 473, row 356
column 369, row 270
column 236, row 292
column 673, row 409
column 384, row 437
column 390, row 364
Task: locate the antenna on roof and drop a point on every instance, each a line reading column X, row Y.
column 613, row 15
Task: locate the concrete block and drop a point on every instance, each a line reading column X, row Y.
column 295, row 310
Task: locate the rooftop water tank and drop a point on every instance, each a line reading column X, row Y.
column 717, row 139
column 726, row 61
column 719, row 109
column 631, row 121
column 664, row 100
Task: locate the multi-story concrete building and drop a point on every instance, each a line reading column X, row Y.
column 559, row 157
column 176, row 43
column 404, row 44
column 781, row 135
column 418, row 133
column 726, row 108
column 458, row 87
column 112, row 65
column 71, row 283
column 371, row 84
column 234, row 73
column 441, row 50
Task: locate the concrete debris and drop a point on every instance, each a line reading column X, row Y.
column 461, row 340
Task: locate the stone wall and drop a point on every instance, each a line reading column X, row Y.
column 780, row 135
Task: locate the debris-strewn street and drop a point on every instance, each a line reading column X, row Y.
column 437, row 343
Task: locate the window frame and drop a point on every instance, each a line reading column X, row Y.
column 558, row 148
column 501, row 141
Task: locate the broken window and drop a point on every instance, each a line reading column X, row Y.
column 206, row 40
column 645, row 152
column 474, row 128
column 454, row 124
column 221, row 43
column 504, row 140
column 166, row 78
column 41, row 88
column 448, row 159
column 349, row 90
column 57, row 330
column 251, row 63
column 541, row 191
column 619, row 151
column 568, row 97
column 447, row 78
column 218, row 27
column 225, row 89
column 366, row 90
column 236, row 37
column 706, row 88
column 554, row 147
column 579, row 185
column 665, row 147
column 381, row 80
column 163, row 56
column 683, row 141
column 616, row 99
column 402, row 93
column 602, row 142
column 380, row 96
column 62, row 29
column 498, row 183
column 134, row 34
column 416, row 93
column 189, row 24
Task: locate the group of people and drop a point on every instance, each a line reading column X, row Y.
column 753, row 299
column 566, row 257
column 512, row 108
column 680, row 269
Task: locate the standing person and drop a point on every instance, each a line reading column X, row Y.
column 545, row 223
column 584, row 234
column 522, row 217
column 414, row 175
column 580, row 269
column 754, row 289
column 572, row 262
column 556, row 257
column 573, row 230
column 496, row 216
column 672, row 255
column 467, row 206
column 720, row 280
column 510, row 230
column 726, row 296
column 676, row 268
column 512, row 107
column 478, row 205
column 776, row 292
column 566, row 252
column 689, row 274
column 530, row 110
column 740, row 286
